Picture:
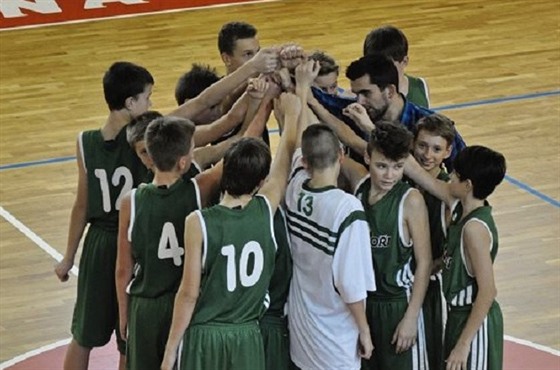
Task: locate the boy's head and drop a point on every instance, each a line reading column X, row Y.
column 246, row 165
column 327, row 80
column 135, row 133
column 389, row 41
column 128, row 86
column 387, row 150
column 237, row 42
column 480, row 169
column 191, row 84
column 170, row 143
column 375, row 80
column 433, row 140
column 320, row 147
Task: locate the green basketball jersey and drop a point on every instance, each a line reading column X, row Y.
column 157, row 236
column 459, row 286
column 418, row 92
column 436, row 217
column 280, row 282
column 112, row 170
column 392, row 257
column 238, row 256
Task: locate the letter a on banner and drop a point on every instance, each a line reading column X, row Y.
column 12, row 8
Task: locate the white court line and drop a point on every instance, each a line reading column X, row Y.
column 527, row 343
column 35, row 238
column 35, row 352
column 137, row 15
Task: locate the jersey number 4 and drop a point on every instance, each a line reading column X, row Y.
column 120, row 173
column 169, row 245
column 245, row 278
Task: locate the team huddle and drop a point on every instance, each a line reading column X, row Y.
column 367, row 241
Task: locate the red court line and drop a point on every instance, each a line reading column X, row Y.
column 518, row 355
column 21, row 14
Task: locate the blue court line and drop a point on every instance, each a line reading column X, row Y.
column 530, row 190
column 511, row 180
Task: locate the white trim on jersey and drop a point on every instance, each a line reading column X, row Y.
column 196, row 165
column 419, row 349
column 410, row 242
column 132, row 213
column 197, row 191
column 81, row 146
column 443, row 219
column 271, row 219
column 360, row 183
column 204, row 237
column 426, row 89
column 463, row 256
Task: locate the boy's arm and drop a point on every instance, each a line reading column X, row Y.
column 210, row 154
column 187, row 295
column 424, row 180
column 276, row 182
column 205, row 134
column 78, row 221
column 353, row 171
column 209, row 180
column 342, row 130
column 477, row 243
column 125, row 264
column 265, row 61
column 416, row 222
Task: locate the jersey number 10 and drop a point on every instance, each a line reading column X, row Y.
column 245, row 278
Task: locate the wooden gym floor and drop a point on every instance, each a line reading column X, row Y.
column 493, row 65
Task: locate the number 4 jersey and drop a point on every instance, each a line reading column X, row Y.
column 112, row 170
column 156, row 232
column 238, row 253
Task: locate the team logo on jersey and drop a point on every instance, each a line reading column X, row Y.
column 380, row 241
column 447, row 259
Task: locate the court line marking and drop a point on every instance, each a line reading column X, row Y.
column 34, row 238
column 48, row 347
column 475, row 103
column 132, row 15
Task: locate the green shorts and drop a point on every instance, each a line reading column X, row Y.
column 487, row 347
column 96, row 310
column 434, row 311
column 222, row 346
column 149, row 321
column 276, row 341
column 383, row 315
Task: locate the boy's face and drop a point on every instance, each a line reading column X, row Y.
column 375, row 101
column 243, row 50
column 141, row 103
column 458, row 188
column 142, row 153
column 430, row 150
column 385, row 172
column 327, row 83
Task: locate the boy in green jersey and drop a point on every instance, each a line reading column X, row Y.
column 400, row 242
column 474, row 329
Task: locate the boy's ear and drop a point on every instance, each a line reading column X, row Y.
column 405, row 61
column 226, row 58
column 129, row 102
column 449, row 150
column 366, row 157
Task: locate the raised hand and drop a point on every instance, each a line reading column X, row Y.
column 357, row 113
column 291, row 55
column 306, row 73
column 257, row 87
column 266, row 60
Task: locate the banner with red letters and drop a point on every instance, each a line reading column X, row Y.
column 25, row 13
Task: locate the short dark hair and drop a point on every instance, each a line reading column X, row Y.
column 233, row 31
column 437, row 125
column 136, row 129
column 319, row 146
column 246, row 164
column 195, row 81
column 122, row 81
column 391, row 140
column 326, row 62
column 387, row 40
column 485, row 168
column 380, row 69
column 167, row 140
